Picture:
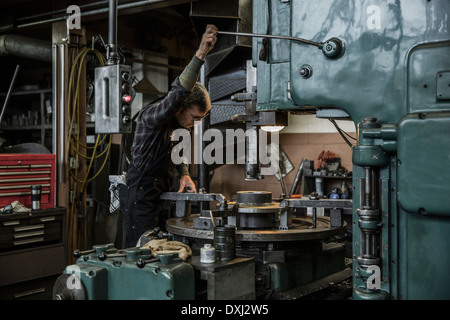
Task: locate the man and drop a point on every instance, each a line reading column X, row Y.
column 149, row 172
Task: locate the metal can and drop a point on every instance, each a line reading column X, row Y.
column 35, row 191
column 207, row 254
column 224, row 242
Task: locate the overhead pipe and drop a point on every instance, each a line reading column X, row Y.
column 25, row 47
column 112, row 57
column 82, row 14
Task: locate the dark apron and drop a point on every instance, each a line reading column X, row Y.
column 140, row 204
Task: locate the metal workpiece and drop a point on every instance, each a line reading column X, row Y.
column 253, row 197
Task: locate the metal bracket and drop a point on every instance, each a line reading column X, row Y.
column 183, row 200
column 323, row 203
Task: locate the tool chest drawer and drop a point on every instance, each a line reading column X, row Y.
column 33, row 228
column 39, row 289
column 18, row 172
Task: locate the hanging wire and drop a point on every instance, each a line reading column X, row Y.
column 343, row 134
column 79, row 184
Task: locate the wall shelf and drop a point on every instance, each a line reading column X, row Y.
column 22, row 102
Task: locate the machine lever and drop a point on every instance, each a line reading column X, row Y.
column 271, row 36
column 77, row 253
column 332, row 48
column 141, row 262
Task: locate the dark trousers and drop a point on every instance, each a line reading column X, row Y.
column 140, row 204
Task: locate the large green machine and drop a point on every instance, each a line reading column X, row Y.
column 386, row 65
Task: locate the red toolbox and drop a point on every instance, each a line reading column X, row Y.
column 18, row 172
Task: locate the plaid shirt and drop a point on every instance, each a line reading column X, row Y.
column 154, row 125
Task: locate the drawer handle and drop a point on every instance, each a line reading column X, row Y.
column 18, row 243
column 25, row 179
column 22, row 186
column 25, row 193
column 29, row 234
column 46, row 219
column 11, row 223
column 38, row 226
column 26, row 165
column 16, row 173
column 29, row 293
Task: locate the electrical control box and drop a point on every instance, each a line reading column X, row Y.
column 113, row 97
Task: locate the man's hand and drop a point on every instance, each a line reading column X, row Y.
column 187, row 185
column 209, row 39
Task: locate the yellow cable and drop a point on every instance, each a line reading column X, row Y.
column 73, row 100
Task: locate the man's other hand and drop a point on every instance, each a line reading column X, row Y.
column 187, row 185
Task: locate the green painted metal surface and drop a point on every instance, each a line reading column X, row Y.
column 119, row 278
column 424, row 158
column 395, row 68
column 392, row 49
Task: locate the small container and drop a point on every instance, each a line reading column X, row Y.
column 207, row 254
column 224, row 242
column 36, row 191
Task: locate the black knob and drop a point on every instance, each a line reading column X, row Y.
column 140, row 263
column 126, row 109
column 126, row 119
column 76, row 254
column 125, row 87
column 102, row 256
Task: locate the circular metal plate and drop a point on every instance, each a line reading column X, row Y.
column 253, row 197
column 269, row 208
column 300, row 230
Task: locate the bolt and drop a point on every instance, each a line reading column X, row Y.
column 305, row 71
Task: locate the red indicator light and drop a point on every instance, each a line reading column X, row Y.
column 126, row 98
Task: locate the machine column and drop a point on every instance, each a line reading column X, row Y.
column 370, row 156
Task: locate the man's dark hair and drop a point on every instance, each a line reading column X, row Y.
column 199, row 97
